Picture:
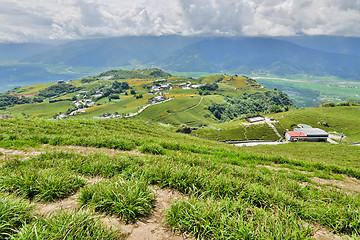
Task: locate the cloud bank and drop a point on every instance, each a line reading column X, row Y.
column 23, row 20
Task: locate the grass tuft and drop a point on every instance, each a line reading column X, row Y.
column 128, row 200
column 63, row 225
column 152, row 148
column 41, row 185
column 14, row 213
column 230, row 219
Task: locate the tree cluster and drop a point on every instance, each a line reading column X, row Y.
column 140, row 73
column 114, row 91
column 209, row 87
column 251, row 103
column 58, row 89
column 10, row 100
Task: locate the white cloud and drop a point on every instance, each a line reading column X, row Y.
column 24, row 20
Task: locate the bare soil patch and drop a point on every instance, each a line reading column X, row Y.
column 153, row 228
column 18, row 153
column 322, row 233
column 349, row 184
column 67, row 204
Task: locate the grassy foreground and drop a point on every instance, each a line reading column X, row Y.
column 230, row 193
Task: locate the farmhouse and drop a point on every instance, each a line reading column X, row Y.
column 306, row 133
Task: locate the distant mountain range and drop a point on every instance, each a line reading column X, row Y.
column 29, row 63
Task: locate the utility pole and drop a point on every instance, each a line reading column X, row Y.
column 342, row 135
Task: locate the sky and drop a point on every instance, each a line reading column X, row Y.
column 40, row 20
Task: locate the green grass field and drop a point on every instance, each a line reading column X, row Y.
column 45, row 109
column 340, row 119
column 178, row 112
column 344, row 119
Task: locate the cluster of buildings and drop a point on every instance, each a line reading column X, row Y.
column 156, row 99
column 83, row 103
column 157, row 89
column 188, row 85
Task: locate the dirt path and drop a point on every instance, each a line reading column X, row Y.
column 194, row 105
column 24, row 154
column 267, row 120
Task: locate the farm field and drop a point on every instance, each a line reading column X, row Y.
column 122, row 178
column 307, row 91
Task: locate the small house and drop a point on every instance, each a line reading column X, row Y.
column 255, row 119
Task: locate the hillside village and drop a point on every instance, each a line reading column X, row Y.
column 156, row 96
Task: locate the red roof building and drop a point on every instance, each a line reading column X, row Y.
column 294, row 135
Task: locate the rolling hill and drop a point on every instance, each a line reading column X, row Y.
column 247, row 55
column 147, row 94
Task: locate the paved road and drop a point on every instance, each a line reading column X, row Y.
column 267, row 120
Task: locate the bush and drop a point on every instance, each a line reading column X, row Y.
column 328, row 104
column 114, row 96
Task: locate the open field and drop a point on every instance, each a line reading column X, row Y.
column 190, row 111
column 119, row 174
column 45, row 109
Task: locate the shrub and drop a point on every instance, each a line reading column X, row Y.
column 328, row 104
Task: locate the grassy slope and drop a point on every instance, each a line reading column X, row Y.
column 236, row 131
column 322, row 153
column 340, row 119
column 175, row 111
column 45, row 109
column 231, row 193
